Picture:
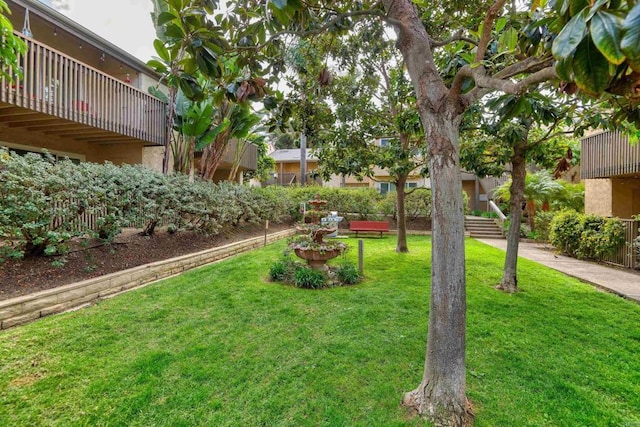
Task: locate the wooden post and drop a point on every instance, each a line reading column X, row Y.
column 303, row 160
column 266, row 228
column 361, row 256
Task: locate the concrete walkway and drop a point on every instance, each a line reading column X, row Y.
column 625, row 283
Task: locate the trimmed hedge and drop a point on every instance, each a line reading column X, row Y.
column 45, row 203
column 586, row 236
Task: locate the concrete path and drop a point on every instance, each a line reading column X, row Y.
column 625, row 283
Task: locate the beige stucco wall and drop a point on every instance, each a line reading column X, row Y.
column 598, row 197
column 120, row 153
column 145, row 82
column 625, row 195
column 152, row 157
column 470, row 188
column 30, row 141
column 294, row 167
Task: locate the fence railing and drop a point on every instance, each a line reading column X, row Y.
column 626, row 255
column 56, row 84
column 77, row 219
column 608, row 154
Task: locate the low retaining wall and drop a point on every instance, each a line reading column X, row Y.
column 17, row 311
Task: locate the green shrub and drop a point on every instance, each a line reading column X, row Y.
column 600, row 237
column 348, row 274
column 361, row 201
column 570, row 197
column 387, row 205
column 308, row 278
column 418, row 203
column 543, row 222
column 565, row 231
column 44, row 203
column 586, row 236
column 36, row 216
column 590, row 236
column 612, row 237
column 283, row 270
column 278, row 271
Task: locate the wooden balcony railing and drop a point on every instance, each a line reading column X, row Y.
column 56, row 84
column 248, row 159
column 608, row 154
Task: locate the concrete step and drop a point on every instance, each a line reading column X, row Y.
column 486, row 236
column 482, row 228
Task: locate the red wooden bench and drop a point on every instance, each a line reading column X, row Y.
column 373, row 226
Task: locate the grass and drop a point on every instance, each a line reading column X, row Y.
column 221, row 346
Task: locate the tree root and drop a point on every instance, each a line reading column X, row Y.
column 441, row 414
column 507, row 288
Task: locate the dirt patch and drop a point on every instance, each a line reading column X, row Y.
column 22, row 277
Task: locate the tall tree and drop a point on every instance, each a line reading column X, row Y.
column 373, row 98
column 194, row 59
column 256, row 29
column 511, row 134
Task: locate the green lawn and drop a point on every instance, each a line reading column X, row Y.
column 221, row 346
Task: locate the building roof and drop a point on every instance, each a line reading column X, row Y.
column 291, row 155
column 58, row 21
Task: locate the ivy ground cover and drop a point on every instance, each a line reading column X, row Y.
column 222, row 346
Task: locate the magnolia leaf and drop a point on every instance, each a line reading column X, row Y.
column 501, row 23
column 606, row 33
column 630, row 43
column 157, row 66
column 571, row 36
column 590, row 69
column 564, row 69
column 596, row 8
column 577, row 6
column 165, row 17
column 174, row 31
column 161, row 50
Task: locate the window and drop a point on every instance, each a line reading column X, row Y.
column 385, row 142
column 57, row 155
column 385, row 187
column 410, row 185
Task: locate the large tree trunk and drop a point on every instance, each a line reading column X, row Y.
column 509, row 282
column 401, row 245
column 441, row 394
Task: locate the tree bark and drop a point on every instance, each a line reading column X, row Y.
column 441, row 395
column 169, row 137
column 401, row 245
column 509, row 282
column 531, row 213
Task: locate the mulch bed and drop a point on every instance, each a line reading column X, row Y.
column 22, row 277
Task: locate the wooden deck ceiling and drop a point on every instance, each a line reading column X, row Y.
column 47, row 125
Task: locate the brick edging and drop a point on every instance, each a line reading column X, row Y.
column 24, row 309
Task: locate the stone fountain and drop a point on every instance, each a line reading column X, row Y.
column 311, row 245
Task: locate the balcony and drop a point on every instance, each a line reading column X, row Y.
column 248, row 156
column 609, row 154
column 59, row 96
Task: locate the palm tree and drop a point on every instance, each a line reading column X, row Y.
column 539, row 188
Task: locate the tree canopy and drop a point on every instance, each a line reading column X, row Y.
column 455, row 55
